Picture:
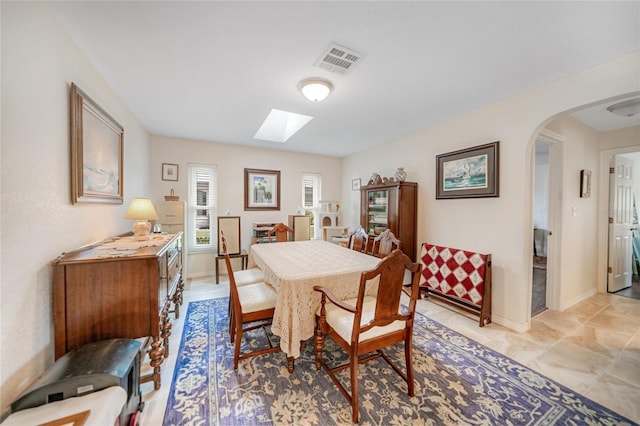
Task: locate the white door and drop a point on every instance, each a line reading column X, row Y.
column 620, row 213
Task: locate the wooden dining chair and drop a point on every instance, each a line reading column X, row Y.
column 358, row 239
column 251, row 305
column 384, row 244
column 241, row 278
column 367, row 324
column 245, row 276
column 368, row 246
column 280, row 233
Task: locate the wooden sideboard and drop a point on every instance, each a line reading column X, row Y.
column 119, row 287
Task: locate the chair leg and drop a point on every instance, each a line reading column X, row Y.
column 236, row 351
column 354, row 388
column 407, row 357
column 232, row 325
column 319, row 343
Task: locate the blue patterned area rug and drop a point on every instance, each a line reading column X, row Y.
column 458, row 382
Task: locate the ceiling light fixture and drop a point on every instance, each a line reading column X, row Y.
column 627, row 108
column 315, row 89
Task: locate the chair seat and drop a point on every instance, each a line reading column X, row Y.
column 249, row 276
column 342, row 321
column 256, row 297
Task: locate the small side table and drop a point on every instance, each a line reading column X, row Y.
column 242, row 255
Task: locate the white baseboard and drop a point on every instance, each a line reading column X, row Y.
column 512, row 325
column 578, row 299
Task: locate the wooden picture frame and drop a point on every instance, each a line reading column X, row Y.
column 585, row 183
column 230, row 226
column 355, row 184
column 169, row 171
column 261, row 189
column 96, row 152
column 469, row 173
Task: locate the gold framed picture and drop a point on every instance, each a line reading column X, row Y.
column 96, row 152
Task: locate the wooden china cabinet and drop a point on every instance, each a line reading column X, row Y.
column 392, row 205
column 119, row 288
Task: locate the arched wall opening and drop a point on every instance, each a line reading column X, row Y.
column 578, row 226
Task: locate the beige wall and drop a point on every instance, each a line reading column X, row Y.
column 231, row 160
column 39, row 62
column 620, row 139
column 501, row 226
column 577, row 249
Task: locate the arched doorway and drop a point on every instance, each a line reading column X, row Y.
column 570, row 209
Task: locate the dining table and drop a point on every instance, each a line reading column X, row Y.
column 293, row 269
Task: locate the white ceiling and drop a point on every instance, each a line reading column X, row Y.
column 602, row 120
column 213, row 70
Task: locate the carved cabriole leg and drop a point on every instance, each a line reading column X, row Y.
column 290, row 364
column 156, row 355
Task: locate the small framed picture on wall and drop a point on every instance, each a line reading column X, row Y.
column 355, row 184
column 585, row 183
column 169, row 171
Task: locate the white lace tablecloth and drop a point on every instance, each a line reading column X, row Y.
column 293, row 269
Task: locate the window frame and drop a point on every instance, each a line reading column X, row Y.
column 193, row 207
column 317, row 196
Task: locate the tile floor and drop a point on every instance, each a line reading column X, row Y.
column 592, row 348
column 632, row 291
column 539, row 290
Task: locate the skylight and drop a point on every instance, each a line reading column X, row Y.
column 281, row 125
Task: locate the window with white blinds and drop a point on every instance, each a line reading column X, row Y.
column 201, row 207
column 311, row 193
column 311, row 190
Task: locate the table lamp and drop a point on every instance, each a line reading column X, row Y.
column 141, row 210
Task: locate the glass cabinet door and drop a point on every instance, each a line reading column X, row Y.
column 378, row 209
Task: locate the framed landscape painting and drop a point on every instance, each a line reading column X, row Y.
column 468, row 173
column 96, row 152
column 261, row 189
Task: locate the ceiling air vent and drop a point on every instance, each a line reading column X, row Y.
column 338, row 59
